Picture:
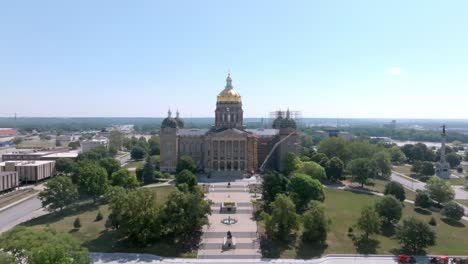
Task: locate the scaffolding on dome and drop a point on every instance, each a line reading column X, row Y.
column 296, row 115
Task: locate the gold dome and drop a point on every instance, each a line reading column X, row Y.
column 229, row 94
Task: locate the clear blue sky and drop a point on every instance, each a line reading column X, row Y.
column 389, row 59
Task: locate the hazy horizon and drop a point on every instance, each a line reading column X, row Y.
column 328, row 59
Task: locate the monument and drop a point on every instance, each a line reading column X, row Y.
column 443, row 167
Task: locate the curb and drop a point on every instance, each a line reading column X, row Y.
column 18, row 202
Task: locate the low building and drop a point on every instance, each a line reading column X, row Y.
column 30, row 171
column 19, row 155
column 336, row 133
column 7, row 132
column 88, row 145
column 9, row 180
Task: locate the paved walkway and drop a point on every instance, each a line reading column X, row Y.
column 244, row 231
column 413, row 184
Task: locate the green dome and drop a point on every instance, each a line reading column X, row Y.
column 169, row 122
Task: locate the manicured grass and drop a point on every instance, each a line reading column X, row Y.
column 95, row 236
column 379, row 186
column 134, row 164
column 343, row 208
column 406, row 170
column 457, row 181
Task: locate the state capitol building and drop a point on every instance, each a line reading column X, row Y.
column 228, row 148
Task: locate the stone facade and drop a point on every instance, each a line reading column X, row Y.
column 228, row 148
column 443, row 167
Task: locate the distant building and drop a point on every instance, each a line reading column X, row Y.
column 228, row 148
column 335, row 133
column 38, row 155
column 30, row 171
column 7, row 132
column 88, row 145
column 8, row 181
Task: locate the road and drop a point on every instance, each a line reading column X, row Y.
column 20, row 213
column 417, row 185
column 130, row 258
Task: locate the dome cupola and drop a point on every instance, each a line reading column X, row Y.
column 169, row 121
column 229, row 95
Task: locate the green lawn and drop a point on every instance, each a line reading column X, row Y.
column 95, row 236
column 406, row 170
column 343, row 207
column 379, row 186
column 457, row 181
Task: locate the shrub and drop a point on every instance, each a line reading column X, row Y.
column 453, row 210
column 77, row 223
column 99, row 216
column 350, row 230
column 433, row 222
column 422, row 199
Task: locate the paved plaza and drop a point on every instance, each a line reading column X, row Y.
column 244, row 230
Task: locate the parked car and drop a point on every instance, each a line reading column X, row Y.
column 440, row 260
column 406, row 259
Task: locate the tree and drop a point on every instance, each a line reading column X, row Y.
column 74, row 145
column 291, row 163
column 91, row 179
column 32, row 246
column 115, row 140
column 154, row 145
column 77, row 223
column 396, row 155
column 422, row 199
column 186, row 177
column 368, row 222
column 314, row 170
column 273, row 184
column 148, row 171
column 303, row 189
column 320, row 158
column 389, row 209
column 186, row 163
column 466, row 155
column 59, row 192
column 439, row 190
column 415, row 235
column 116, row 197
column 6, row 258
column 362, row 169
column 136, row 216
column 186, row 212
column 383, row 163
column 395, row 189
column 124, row 179
column 283, row 219
column 138, row 153
column 335, row 147
column 95, row 154
column 110, row 165
column 316, row 225
column 64, row 165
column 427, row 168
column 453, row 210
column 453, row 159
column 335, row 168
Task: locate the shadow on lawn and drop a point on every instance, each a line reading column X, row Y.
column 273, row 248
column 422, row 211
column 310, row 250
column 58, row 216
column 365, row 245
column 453, row 223
column 110, row 241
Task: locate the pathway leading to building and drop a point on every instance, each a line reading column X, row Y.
column 244, row 230
column 418, row 185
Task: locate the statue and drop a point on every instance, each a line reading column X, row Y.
column 229, row 235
